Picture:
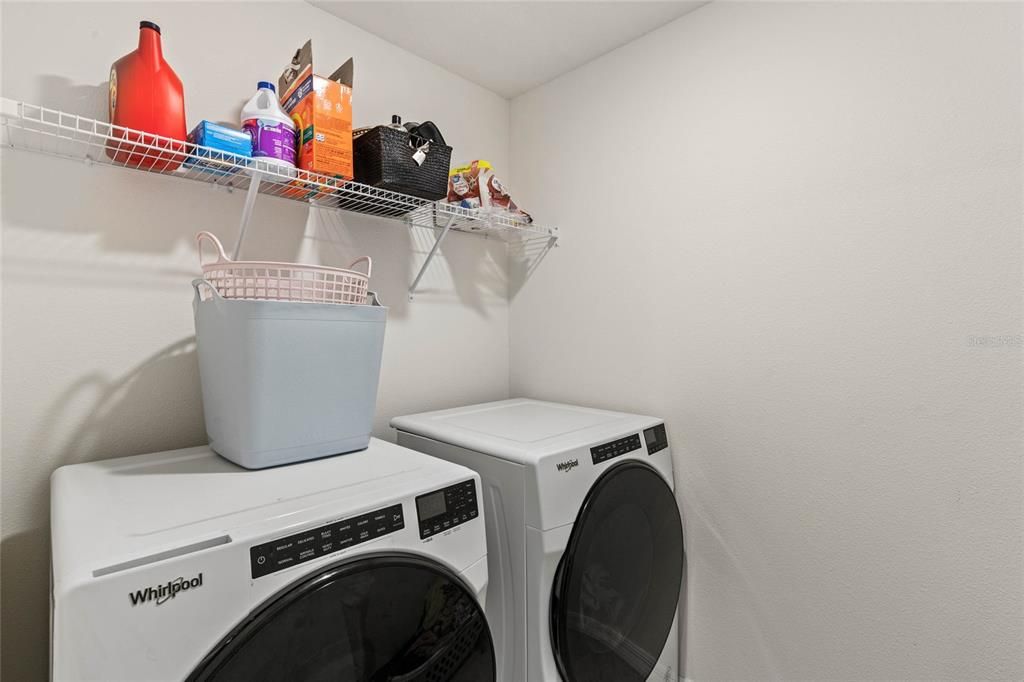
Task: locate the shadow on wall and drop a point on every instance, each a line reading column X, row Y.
column 126, row 416
column 123, row 211
column 486, row 276
column 132, row 414
column 524, row 259
column 92, row 101
column 25, row 607
column 474, row 265
column 58, row 92
column 467, row 264
column 329, row 239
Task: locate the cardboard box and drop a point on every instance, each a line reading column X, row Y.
column 322, row 111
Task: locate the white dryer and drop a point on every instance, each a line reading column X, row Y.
column 584, row 536
column 184, row 566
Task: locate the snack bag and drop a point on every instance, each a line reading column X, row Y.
column 475, row 186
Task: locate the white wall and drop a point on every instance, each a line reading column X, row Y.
column 97, row 322
column 782, row 226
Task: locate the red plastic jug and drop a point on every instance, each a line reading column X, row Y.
column 146, row 95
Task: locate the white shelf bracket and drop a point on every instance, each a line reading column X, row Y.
column 250, row 201
column 430, row 256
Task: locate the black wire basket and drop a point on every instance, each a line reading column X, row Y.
column 384, row 158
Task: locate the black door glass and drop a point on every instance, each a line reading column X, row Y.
column 397, row 618
column 617, row 586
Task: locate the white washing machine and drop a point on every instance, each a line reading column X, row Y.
column 184, row 566
column 584, row 536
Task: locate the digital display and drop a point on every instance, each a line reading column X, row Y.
column 430, row 506
column 443, row 510
column 656, row 438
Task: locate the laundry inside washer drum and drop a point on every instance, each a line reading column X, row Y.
column 351, row 621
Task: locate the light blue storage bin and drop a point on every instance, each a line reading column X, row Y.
column 286, row 382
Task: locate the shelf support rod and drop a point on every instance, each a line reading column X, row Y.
column 430, row 256
column 250, row 201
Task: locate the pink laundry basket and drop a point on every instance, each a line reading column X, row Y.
column 294, row 282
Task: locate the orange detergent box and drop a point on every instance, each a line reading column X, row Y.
column 322, row 111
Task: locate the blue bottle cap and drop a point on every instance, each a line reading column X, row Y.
column 266, row 84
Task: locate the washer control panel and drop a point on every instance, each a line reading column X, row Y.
column 446, row 508
column 602, row 453
column 292, row 550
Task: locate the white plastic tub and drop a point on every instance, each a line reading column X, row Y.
column 286, row 382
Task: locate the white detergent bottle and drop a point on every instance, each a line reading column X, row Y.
column 271, row 129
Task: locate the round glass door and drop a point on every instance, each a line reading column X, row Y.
column 617, row 585
column 396, row 618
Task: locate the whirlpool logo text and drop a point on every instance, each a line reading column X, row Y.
column 568, row 464
column 169, row 590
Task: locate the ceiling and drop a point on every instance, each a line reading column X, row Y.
column 509, row 47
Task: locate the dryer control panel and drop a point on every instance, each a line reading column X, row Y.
column 288, row 551
column 446, row 508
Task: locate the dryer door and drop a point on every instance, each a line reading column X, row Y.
column 615, row 593
column 382, row 618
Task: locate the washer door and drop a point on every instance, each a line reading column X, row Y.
column 382, row 618
column 617, row 585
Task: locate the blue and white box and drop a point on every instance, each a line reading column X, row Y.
column 225, row 146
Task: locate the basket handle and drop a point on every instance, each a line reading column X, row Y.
column 200, row 282
column 369, row 264
column 212, row 238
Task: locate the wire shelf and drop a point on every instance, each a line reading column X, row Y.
column 56, row 133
